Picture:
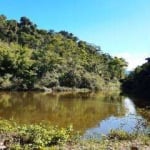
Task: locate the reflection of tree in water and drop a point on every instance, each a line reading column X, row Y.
column 113, row 98
column 143, row 106
column 129, row 122
column 5, row 101
column 83, row 111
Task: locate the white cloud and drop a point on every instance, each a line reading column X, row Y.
column 133, row 59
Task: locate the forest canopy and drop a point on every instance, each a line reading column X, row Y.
column 137, row 83
column 31, row 58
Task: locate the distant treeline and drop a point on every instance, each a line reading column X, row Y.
column 31, row 58
column 137, row 83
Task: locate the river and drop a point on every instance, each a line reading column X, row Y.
column 91, row 113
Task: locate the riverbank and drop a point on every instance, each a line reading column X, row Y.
column 44, row 136
column 107, row 87
column 141, row 143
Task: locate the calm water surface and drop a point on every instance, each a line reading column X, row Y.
column 91, row 113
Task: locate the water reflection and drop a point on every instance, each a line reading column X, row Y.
column 88, row 113
column 129, row 107
column 130, row 122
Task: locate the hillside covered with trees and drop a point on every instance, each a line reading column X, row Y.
column 31, row 58
column 137, row 83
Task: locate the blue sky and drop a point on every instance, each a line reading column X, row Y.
column 120, row 27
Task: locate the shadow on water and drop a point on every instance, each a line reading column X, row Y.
column 91, row 113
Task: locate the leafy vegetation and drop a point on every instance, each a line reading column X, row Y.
column 121, row 135
column 32, row 58
column 44, row 136
column 33, row 136
column 137, row 83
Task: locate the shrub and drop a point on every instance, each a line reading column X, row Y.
column 121, row 135
column 34, row 136
column 5, row 81
column 70, row 79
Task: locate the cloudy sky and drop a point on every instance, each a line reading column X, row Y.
column 120, row 27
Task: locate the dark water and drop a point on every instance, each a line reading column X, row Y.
column 90, row 113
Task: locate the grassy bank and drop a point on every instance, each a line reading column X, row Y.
column 42, row 136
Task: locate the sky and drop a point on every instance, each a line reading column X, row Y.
column 120, row 27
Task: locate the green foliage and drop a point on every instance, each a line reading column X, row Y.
column 16, row 67
column 34, row 136
column 38, row 58
column 44, row 136
column 138, row 81
column 121, row 135
column 5, row 81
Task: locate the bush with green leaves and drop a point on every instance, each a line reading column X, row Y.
column 121, row 135
column 35, row 135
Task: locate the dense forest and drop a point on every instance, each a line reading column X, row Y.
column 137, row 83
column 32, row 58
